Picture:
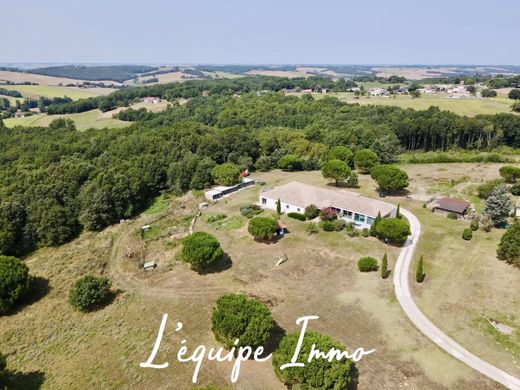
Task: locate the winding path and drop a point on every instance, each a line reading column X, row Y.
column 404, row 297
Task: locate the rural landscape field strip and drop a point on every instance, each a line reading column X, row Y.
column 404, row 297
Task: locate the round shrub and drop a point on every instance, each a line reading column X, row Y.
column 311, row 228
column 238, row 317
column 321, row 373
column 89, row 292
column 452, row 215
column 339, row 224
column 365, row 160
column 327, row 226
column 509, row 247
column 367, row 264
column 394, row 230
column 15, row 281
column 515, row 189
column 201, row 250
column 262, row 228
column 467, row 234
column 312, row 211
column 328, row 214
column 351, row 230
column 225, row 174
column 365, row 232
column 298, row 216
column 474, row 224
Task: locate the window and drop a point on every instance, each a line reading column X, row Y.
column 298, row 209
column 370, row 220
column 348, row 214
column 286, row 206
column 264, row 201
column 359, row 218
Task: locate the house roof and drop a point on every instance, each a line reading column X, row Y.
column 453, row 204
column 302, row 195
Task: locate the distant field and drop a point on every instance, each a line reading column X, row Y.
column 468, row 107
column 85, row 120
column 20, row 77
column 51, row 91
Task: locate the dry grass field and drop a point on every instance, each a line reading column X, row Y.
column 20, row 77
column 66, row 349
column 51, row 91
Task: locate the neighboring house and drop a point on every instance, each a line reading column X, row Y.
column 218, row 192
column 378, row 92
column 19, row 114
column 517, row 213
column 452, row 205
column 152, row 100
column 352, row 207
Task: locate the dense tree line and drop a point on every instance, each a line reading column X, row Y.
column 95, row 73
column 55, row 181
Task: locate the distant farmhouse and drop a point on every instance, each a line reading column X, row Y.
column 452, row 205
column 215, row 193
column 350, row 206
column 152, row 100
column 378, row 92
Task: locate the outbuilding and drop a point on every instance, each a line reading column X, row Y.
column 452, row 205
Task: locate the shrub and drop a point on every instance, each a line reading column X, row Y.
column 419, row 274
column 484, row 190
column 452, row 215
column 15, row 282
column 384, row 267
column 514, row 94
column 263, row 164
column 499, row 205
column 509, row 247
column 238, row 317
column 339, row 224
column 262, row 228
column 489, row 93
column 215, row 218
column 351, row 230
column 89, row 292
column 510, row 173
column 328, row 214
column 486, row 222
column 342, row 153
column 311, row 211
column 365, row 232
column 249, row 211
column 290, row 162
column 321, row 373
column 353, row 180
column 327, row 226
column 467, row 234
column 393, row 230
column 474, row 224
column 367, row 264
column 298, row 216
column 515, row 189
column 226, row 174
column 365, row 160
column 201, row 250
column 311, row 228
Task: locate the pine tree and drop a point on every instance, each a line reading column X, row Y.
column 373, row 232
column 278, row 207
column 499, row 205
column 384, row 267
column 420, row 275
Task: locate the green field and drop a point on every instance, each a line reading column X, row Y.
column 51, row 91
column 468, row 107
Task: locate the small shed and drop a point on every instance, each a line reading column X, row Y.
column 150, row 265
column 452, row 205
column 145, row 228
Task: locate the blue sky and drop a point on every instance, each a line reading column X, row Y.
column 267, row 31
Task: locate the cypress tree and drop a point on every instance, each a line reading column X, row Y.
column 384, row 267
column 278, row 207
column 420, row 275
column 373, row 232
column 398, row 212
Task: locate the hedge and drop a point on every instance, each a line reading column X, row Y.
column 298, row 216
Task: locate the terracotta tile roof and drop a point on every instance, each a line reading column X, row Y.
column 302, row 195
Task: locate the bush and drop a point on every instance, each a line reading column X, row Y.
column 250, row 211
column 238, row 317
column 485, row 189
column 452, row 215
column 201, row 250
column 226, row 174
column 327, row 226
column 394, row 230
column 499, row 205
column 351, row 230
column 311, row 211
column 339, row 224
column 467, row 234
column 474, row 224
column 89, row 293
column 263, row 164
column 489, row 93
column 353, row 180
column 215, row 218
column 385, row 273
column 321, row 373
column 15, row 282
column 336, row 170
column 298, row 216
column 367, row 264
column 262, row 228
column 290, row 162
column 328, row 214
column 365, row 232
column 509, row 247
column 515, row 189
column 311, row 228
column 510, row 173
column 365, row 160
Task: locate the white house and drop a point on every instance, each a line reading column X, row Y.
column 152, row 100
column 350, row 206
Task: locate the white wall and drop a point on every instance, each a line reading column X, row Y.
column 286, row 208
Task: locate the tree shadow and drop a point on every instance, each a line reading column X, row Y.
column 342, row 185
column 39, row 288
column 354, row 377
column 276, row 335
column 24, row 380
column 221, row 265
column 404, row 193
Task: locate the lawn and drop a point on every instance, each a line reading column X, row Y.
column 468, row 107
column 51, row 91
column 67, row 349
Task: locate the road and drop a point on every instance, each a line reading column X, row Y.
column 404, row 297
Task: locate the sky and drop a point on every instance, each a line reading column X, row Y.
column 261, row 32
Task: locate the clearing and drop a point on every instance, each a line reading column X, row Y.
column 51, row 91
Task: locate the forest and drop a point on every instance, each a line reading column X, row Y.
column 118, row 73
column 56, row 181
